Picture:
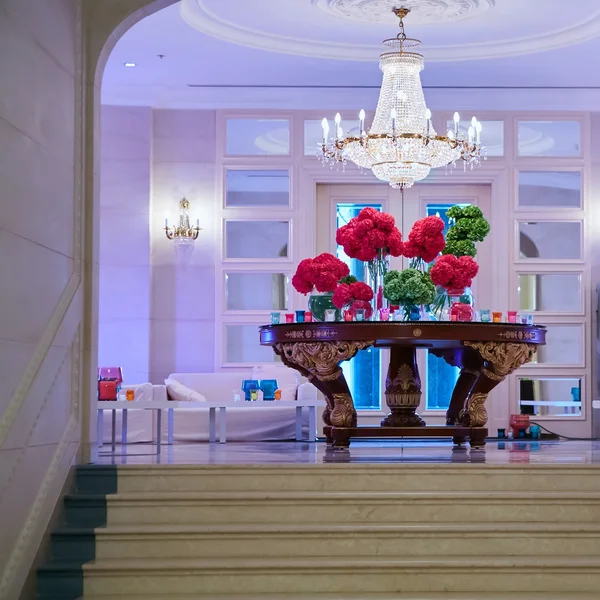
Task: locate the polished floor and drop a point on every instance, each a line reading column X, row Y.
column 259, row 453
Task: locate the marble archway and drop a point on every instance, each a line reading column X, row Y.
column 103, row 24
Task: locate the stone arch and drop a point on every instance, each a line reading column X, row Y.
column 103, row 24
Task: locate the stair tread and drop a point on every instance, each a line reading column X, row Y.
column 166, row 564
column 336, row 528
column 348, row 496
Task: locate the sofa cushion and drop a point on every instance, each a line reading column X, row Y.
column 182, row 393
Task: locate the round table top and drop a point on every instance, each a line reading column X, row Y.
column 436, row 334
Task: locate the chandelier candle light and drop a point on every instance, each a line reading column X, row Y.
column 183, row 235
column 402, row 146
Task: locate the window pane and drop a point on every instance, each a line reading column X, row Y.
column 550, row 240
column 257, row 188
column 257, row 239
column 560, row 189
column 550, row 397
column 564, row 346
column 313, row 133
column 441, row 379
column 551, row 292
column 549, row 138
column 492, row 135
column 251, row 137
column 363, row 372
column 242, row 345
column 256, row 291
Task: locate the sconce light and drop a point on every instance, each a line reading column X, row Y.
column 183, row 235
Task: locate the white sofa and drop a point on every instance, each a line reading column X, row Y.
column 243, row 424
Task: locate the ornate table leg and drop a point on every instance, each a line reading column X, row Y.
column 403, row 389
column 319, row 362
column 500, row 360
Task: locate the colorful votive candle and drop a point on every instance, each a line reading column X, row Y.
column 454, row 317
column 289, row 317
column 384, row 314
column 300, row 316
column 330, row 315
column 485, row 315
column 497, row 317
column 512, row 316
column 348, row 315
column 360, row 314
column 129, row 395
column 308, row 317
column 275, row 318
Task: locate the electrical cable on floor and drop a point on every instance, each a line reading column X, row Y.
column 566, row 437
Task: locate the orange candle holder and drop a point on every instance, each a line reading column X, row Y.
column 130, row 395
column 497, row 317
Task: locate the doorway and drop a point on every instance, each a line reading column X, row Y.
column 336, row 204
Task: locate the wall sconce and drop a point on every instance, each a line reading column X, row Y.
column 183, row 235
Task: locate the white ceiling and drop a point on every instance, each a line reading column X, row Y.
column 291, row 53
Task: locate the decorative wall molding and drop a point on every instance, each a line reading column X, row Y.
column 197, row 14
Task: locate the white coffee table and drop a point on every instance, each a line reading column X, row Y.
column 212, row 406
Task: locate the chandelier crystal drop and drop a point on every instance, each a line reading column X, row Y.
column 401, row 146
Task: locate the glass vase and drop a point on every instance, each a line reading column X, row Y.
column 459, row 303
column 375, row 271
column 319, row 302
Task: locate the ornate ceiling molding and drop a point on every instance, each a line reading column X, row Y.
column 199, row 16
column 422, row 11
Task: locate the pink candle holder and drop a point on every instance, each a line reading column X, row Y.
column 348, row 316
column 512, row 316
column 384, row 314
column 308, row 317
column 289, row 317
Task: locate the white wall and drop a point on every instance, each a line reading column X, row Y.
column 125, row 273
column 156, row 315
column 40, row 270
column 182, row 300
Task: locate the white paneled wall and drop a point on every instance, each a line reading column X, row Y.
column 41, row 306
column 182, row 328
column 125, row 273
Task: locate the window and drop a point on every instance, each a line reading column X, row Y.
column 257, row 137
column 538, row 240
column 256, row 291
column 551, row 189
column 550, row 292
column 549, row 138
column 257, row 188
column 257, row 239
column 550, row 397
column 441, row 377
column 242, row 345
column 313, row 133
column 492, row 135
column 363, row 372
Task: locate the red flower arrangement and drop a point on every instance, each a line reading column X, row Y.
column 357, row 295
column 451, row 272
column 426, row 239
column 322, row 272
column 370, row 235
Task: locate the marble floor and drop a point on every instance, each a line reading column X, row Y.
column 373, row 452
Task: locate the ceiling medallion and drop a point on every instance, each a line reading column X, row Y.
column 401, row 146
column 422, row 11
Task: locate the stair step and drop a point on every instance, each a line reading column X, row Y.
column 352, row 596
column 306, row 540
column 340, row 575
column 368, row 508
column 354, row 478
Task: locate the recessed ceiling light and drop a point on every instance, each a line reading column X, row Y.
column 130, row 64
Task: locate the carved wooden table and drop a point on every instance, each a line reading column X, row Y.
column 486, row 353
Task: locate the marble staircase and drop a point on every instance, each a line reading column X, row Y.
column 336, row 531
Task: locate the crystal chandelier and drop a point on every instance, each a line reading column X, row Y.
column 402, row 146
